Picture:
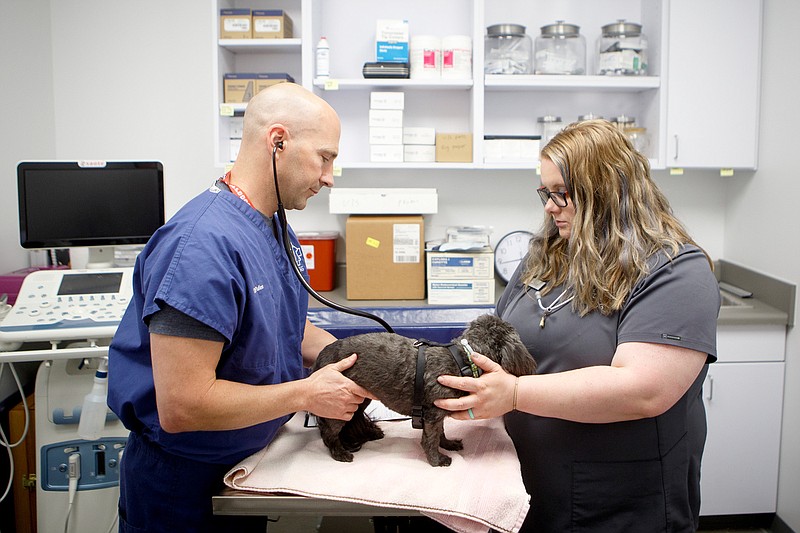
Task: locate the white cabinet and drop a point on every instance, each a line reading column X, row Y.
column 743, row 396
column 713, row 81
column 700, row 97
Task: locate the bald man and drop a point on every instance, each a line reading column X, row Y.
column 210, row 358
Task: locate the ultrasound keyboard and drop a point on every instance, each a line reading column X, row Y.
column 55, row 305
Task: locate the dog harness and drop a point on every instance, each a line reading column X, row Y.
column 465, row 368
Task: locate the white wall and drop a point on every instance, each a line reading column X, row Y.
column 132, row 80
column 761, row 217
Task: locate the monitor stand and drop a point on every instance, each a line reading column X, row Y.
column 100, row 257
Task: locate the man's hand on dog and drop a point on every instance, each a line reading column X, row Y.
column 490, row 395
column 332, row 395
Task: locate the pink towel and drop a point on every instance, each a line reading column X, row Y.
column 481, row 489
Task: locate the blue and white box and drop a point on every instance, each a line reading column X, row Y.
column 391, row 41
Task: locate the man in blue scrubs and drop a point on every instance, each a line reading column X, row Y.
column 209, row 360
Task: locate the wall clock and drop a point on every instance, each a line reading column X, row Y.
column 509, row 252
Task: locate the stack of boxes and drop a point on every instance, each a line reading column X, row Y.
column 386, row 127
column 463, row 275
column 419, row 145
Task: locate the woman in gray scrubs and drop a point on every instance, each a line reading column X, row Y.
column 619, row 306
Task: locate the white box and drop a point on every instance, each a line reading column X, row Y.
column 386, row 118
column 386, row 153
column 460, row 291
column 391, row 40
column 381, row 135
column 236, row 144
column 383, row 201
column 419, row 153
column 386, row 100
column 510, row 149
column 236, row 127
column 419, row 136
column 461, row 265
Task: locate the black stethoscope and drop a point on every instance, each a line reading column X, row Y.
column 287, row 246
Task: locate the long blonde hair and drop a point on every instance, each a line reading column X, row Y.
column 621, row 219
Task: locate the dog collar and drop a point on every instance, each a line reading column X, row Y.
column 465, row 368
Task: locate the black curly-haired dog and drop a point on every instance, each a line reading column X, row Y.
column 386, row 366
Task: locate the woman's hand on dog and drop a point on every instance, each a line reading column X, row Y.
column 490, row 395
column 331, row 394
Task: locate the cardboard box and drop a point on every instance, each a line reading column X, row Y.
column 426, row 136
column 386, row 100
column 238, row 88
column 460, row 291
column 461, row 265
column 384, row 257
column 266, row 79
column 419, row 153
column 386, row 153
column 383, row 201
column 380, row 135
column 386, row 118
column 235, row 24
column 391, row 41
column 271, row 24
column 454, row 147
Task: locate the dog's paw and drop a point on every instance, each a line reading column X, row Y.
column 342, row 456
column 443, row 460
column 453, row 445
column 374, row 433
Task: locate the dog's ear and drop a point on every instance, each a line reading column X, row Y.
column 515, row 358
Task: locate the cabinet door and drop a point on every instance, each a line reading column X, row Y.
column 713, row 83
column 740, row 463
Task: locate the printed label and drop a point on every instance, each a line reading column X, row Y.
column 406, row 240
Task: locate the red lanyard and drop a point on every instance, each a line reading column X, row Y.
column 236, row 190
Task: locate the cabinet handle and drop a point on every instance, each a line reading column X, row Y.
column 710, row 388
column 676, row 147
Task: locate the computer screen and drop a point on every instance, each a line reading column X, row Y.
column 96, row 204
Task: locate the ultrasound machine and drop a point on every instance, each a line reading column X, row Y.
column 66, row 318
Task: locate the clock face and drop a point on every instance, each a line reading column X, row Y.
column 509, row 252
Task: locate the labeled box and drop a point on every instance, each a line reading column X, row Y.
column 461, row 265
column 383, row 200
column 386, row 100
column 319, row 253
column 419, row 153
column 238, row 88
column 386, row 153
column 384, row 257
column 382, row 135
column 391, row 41
column 271, row 24
column 386, row 118
column 235, row 24
column 460, row 291
column 511, row 148
column 454, row 147
column 265, row 79
column 419, row 136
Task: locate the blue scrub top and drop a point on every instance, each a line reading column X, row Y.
column 218, row 261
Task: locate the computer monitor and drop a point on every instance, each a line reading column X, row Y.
column 96, row 204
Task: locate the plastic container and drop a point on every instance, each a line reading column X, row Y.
column 507, row 50
column 560, row 49
column 457, row 57
column 549, row 126
column 622, row 50
column 94, row 410
column 319, row 252
column 323, row 58
column 425, row 57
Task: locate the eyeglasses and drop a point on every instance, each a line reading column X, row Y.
column 559, row 198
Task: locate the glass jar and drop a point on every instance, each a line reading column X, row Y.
column 549, row 125
column 507, row 50
column 589, row 116
column 560, row 49
column 622, row 122
column 622, row 50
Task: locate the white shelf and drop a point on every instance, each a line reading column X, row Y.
column 499, row 82
column 259, row 46
column 334, row 84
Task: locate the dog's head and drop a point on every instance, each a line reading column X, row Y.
column 497, row 339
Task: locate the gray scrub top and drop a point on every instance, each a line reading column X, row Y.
column 641, row 475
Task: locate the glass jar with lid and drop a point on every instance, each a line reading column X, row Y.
column 549, row 125
column 507, row 50
column 622, row 50
column 560, row 49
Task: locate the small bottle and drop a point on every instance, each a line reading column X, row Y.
column 323, row 58
column 93, row 413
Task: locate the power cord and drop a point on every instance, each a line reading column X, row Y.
column 4, row 439
column 74, row 474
